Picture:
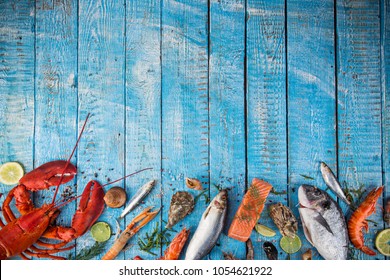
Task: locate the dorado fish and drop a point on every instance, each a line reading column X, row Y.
column 323, row 223
column 137, row 198
column 209, row 228
column 332, row 182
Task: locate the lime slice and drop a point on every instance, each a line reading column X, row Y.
column 264, row 230
column 290, row 245
column 382, row 242
column 10, row 173
column 101, row 231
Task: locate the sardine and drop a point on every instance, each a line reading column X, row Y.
column 209, row 228
column 332, row 182
column 323, row 223
column 137, row 198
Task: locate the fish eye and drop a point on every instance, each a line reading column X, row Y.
column 223, row 197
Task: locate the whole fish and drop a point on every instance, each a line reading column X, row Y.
column 332, row 182
column 209, row 228
column 137, row 198
column 323, row 223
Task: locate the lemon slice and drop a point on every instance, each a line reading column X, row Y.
column 290, row 245
column 264, row 230
column 101, row 231
column 10, row 173
column 382, row 242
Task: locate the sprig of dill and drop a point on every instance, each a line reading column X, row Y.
column 154, row 240
column 202, row 194
column 275, row 192
column 89, row 253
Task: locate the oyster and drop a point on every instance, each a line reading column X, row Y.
column 182, row 204
column 284, row 219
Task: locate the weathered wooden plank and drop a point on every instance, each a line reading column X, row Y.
column 311, row 97
column 385, row 66
column 143, row 105
column 16, row 84
column 101, row 92
column 185, row 150
column 56, row 92
column 359, row 106
column 266, row 106
column 227, row 111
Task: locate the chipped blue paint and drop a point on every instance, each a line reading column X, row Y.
column 223, row 91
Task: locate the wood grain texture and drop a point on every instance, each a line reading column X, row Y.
column 223, row 91
column 359, row 106
column 385, row 76
column 311, row 97
column 266, row 106
column 227, row 111
column 101, row 80
column 143, row 106
column 17, row 62
column 56, row 93
column 185, row 114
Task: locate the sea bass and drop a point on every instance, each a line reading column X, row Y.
column 209, row 228
column 323, row 223
column 332, row 182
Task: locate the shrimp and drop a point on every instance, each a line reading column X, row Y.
column 176, row 246
column 358, row 220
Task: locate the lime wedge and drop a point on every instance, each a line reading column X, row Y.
column 101, row 231
column 264, row 230
column 290, row 245
column 382, row 242
column 10, row 173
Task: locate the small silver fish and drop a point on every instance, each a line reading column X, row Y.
column 323, row 223
column 137, row 198
column 209, row 228
column 332, row 182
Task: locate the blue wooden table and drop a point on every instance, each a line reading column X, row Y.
column 221, row 90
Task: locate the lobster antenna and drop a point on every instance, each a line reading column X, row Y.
column 63, row 203
column 120, row 179
column 68, row 161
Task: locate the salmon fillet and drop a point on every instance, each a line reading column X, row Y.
column 249, row 211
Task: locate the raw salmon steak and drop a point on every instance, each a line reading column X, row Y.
column 249, row 211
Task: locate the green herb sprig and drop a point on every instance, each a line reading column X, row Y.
column 89, row 253
column 154, row 240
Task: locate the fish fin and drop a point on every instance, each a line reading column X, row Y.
column 319, row 218
column 306, row 232
column 206, row 212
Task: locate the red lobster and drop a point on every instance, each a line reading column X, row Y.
column 19, row 235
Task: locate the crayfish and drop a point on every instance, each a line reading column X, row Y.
column 19, row 236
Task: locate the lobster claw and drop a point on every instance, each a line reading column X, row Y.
column 48, row 174
column 90, row 208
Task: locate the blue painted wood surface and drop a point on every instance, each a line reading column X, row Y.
column 223, row 91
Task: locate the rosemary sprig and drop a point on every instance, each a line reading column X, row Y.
column 275, row 192
column 156, row 239
column 307, row 177
column 89, row 253
column 203, row 194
